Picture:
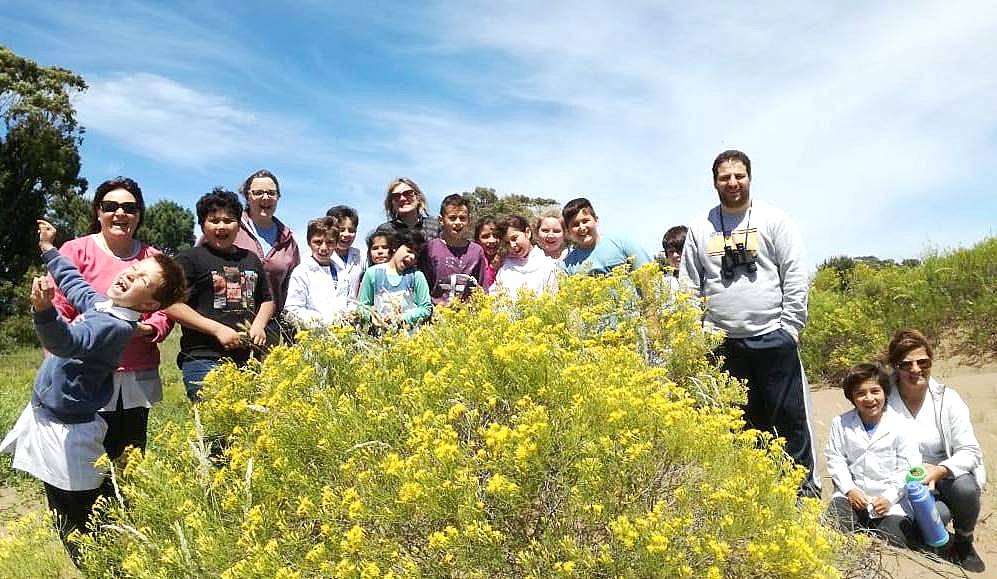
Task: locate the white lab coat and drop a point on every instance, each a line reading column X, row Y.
column 314, row 298
column 877, row 462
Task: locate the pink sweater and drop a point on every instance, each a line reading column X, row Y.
column 100, row 268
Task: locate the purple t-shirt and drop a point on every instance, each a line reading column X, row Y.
column 452, row 272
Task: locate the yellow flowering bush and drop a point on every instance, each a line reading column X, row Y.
column 580, row 434
column 29, row 547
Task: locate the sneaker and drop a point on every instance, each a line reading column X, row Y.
column 964, row 555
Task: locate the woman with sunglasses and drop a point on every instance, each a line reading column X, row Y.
column 109, row 248
column 266, row 236
column 405, row 206
column 940, row 421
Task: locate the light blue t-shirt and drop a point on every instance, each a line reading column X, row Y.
column 609, row 252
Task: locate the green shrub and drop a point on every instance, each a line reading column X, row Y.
column 504, row 440
column 854, row 310
column 16, row 328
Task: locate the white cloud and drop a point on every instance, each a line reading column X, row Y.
column 848, row 111
column 845, row 113
column 162, row 119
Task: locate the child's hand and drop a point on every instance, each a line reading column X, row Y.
column 227, row 337
column 42, row 292
column 258, row 334
column 881, row 506
column 46, row 235
column 857, row 499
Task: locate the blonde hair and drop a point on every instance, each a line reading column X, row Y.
column 549, row 214
column 421, row 199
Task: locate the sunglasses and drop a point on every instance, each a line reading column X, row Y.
column 129, row 207
column 400, row 194
column 923, row 364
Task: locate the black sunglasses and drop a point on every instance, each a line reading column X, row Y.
column 129, row 207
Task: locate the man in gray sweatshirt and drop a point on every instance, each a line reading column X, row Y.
column 746, row 259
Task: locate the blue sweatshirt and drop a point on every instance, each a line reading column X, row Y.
column 75, row 381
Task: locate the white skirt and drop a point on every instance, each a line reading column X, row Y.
column 62, row 455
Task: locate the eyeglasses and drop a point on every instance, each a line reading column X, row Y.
column 264, row 193
column 400, row 194
column 129, row 207
column 907, row 365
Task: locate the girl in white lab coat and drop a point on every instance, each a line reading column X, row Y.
column 869, row 452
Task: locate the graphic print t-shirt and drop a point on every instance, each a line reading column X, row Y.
column 452, row 272
column 225, row 287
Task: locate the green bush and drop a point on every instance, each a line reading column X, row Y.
column 16, row 328
column 504, row 440
column 854, row 309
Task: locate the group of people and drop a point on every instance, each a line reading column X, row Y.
column 904, row 418
column 246, row 283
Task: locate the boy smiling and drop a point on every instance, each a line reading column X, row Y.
column 592, row 253
column 59, row 435
column 228, row 290
column 453, row 264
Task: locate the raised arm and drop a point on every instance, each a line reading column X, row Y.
column 77, row 291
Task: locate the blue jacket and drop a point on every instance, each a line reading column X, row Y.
column 75, row 381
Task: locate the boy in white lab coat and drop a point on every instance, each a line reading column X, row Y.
column 868, row 455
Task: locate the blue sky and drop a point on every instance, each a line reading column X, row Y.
column 873, row 124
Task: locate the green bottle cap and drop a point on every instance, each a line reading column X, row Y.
column 917, row 473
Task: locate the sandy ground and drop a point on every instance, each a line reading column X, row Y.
column 978, row 387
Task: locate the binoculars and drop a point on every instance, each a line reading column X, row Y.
column 734, row 257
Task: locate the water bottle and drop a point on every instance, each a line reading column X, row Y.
column 923, row 505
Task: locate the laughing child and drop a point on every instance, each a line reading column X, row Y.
column 59, row 435
column 348, row 261
column 395, row 292
column 868, row 455
column 550, row 235
column 228, row 291
column 525, row 266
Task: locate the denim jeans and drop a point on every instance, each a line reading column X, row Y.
column 194, row 370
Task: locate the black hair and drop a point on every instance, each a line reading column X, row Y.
column 340, row 212
column 674, row 238
column 455, row 199
column 731, row 155
column 110, row 185
column 219, row 199
column 486, row 220
column 574, row 207
column 410, row 238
